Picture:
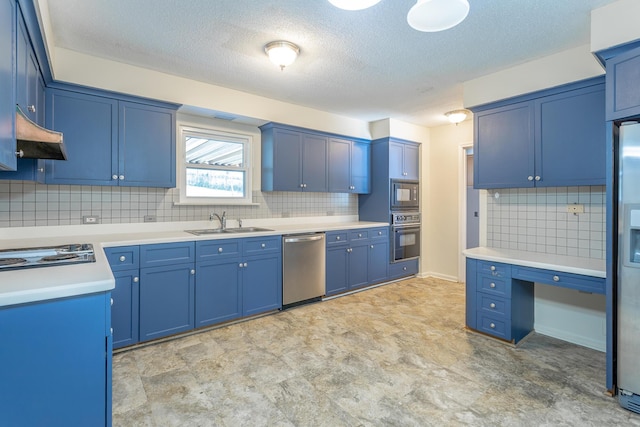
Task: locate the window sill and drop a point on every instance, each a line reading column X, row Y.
column 225, row 203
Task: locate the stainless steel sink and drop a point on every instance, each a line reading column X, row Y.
column 207, row 231
column 246, row 230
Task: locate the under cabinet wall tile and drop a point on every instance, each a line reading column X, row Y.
column 24, row 204
column 536, row 219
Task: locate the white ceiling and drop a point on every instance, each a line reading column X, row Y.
column 368, row 64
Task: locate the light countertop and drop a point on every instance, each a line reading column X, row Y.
column 46, row 283
column 567, row 264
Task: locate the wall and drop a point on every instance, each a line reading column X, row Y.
column 442, row 208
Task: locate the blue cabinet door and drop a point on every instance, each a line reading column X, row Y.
column 571, row 138
column 504, row 147
column 314, row 163
column 147, row 146
column 340, row 165
column 623, row 89
column 287, row 161
column 411, row 161
column 8, row 159
column 261, row 284
column 125, row 307
column 166, row 300
column 358, row 264
column 396, row 166
column 218, row 296
column 361, row 167
column 90, row 128
column 378, row 261
column 337, row 269
column 56, row 359
column 404, row 160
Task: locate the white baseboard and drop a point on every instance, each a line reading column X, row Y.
column 599, row 345
column 438, row 276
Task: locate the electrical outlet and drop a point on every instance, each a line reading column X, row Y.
column 91, row 219
column 150, row 218
column 575, row 209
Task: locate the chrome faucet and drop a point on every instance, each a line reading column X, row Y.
column 222, row 219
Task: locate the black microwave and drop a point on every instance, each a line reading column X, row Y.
column 405, row 194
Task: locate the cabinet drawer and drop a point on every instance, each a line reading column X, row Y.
column 163, row 254
column 379, row 233
column 217, row 249
column 565, row 280
column 493, row 285
column 123, row 257
column 493, row 305
column 259, row 245
column 337, row 237
column 495, row 269
column 403, row 268
column 494, row 325
column 361, row 234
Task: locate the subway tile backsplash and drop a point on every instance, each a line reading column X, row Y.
column 27, row 204
column 536, row 220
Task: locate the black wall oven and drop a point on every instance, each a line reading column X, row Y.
column 406, row 236
column 405, row 195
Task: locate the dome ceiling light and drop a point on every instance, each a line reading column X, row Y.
column 354, row 4
column 425, row 15
column 282, row 53
column 457, row 116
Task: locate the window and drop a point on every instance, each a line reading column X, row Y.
column 215, row 167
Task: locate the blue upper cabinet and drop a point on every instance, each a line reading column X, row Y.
column 111, row 141
column 8, row 159
column 546, row 139
column 503, row 152
column 404, row 160
column 623, row 91
column 296, row 159
column 349, row 166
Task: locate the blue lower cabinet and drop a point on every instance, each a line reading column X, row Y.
column 378, row 260
column 166, row 300
column 337, row 270
column 359, row 265
column 124, row 309
column 403, row 268
column 261, row 284
column 56, row 362
column 218, row 295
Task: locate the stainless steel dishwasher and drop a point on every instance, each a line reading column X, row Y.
column 303, row 268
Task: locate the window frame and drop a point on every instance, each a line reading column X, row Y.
column 213, row 132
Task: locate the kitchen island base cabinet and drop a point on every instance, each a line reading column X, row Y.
column 56, row 363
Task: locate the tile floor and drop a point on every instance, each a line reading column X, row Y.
column 396, row 355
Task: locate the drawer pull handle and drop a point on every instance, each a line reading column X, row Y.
column 263, row 246
column 492, row 305
column 192, row 272
column 492, row 268
column 404, row 268
column 556, row 278
column 337, row 237
column 136, row 279
column 123, row 258
column 379, row 233
column 219, row 250
column 371, row 246
column 492, row 285
column 492, row 325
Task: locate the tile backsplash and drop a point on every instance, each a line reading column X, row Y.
column 536, row 220
column 26, row 204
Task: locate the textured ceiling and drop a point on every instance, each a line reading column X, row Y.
column 365, row 64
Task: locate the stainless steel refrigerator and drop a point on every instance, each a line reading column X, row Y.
column 628, row 274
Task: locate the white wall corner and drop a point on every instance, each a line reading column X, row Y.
column 615, row 24
column 543, row 73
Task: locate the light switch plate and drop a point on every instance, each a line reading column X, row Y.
column 575, row 209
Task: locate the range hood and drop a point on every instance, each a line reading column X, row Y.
column 35, row 142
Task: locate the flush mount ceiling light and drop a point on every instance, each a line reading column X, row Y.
column 282, row 53
column 437, row 15
column 457, row 116
column 353, row 4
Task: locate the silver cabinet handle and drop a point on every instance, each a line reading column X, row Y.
column 121, row 177
column 263, row 246
column 219, row 250
column 492, row 305
column 349, row 250
column 492, row 268
column 111, row 301
column 111, row 331
column 136, row 279
column 404, row 268
column 379, row 233
column 301, row 185
column 337, row 237
column 359, row 234
column 537, row 178
column 193, row 271
column 20, row 153
column 123, row 258
column 556, row 278
column 492, row 325
column 244, row 265
column 31, row 108
column 304, row 239
column 530, row 178
column 114, row 176
column 371, row 246
column 240, row 265
column 492, row 285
